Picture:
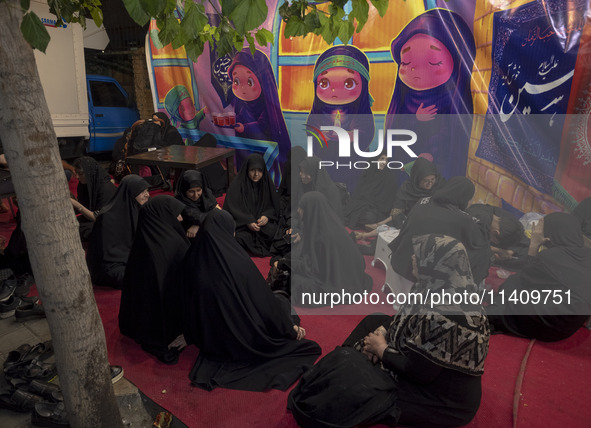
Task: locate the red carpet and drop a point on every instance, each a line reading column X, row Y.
column 556, row 387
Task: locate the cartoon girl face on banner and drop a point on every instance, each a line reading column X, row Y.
column 258, row 111
column 341, row 98
column 181, row 108
column 435, row 54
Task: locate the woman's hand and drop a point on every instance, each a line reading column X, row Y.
column 254, row 227
column 375, row 344
column 239, row 127
column 192, row 231
column 179, row 342
column 262, row 221
column 537, row 238
column 300, row 331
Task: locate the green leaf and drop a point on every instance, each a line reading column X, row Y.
column 136, row 12
column 327, row 33
column 295, row 27
column 225, row 43
column 194, row 20
column 264, row 36
column 25, row 5
column 248, row 15
column 34, row 31
column 238, row 44
column 228, row 6
column 311, row 22
column 251, row 44
column 97, row 16
column 359, row 11
column 346, row 31
column 169, row 29
column 381, row 6
column 153, row 7
column 194, row 49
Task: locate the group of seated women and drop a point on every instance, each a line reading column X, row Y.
column 187, row 278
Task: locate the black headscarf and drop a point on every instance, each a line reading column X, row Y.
column 456, row 193
column 443, row 214
column 321, row 182
column 583, row 213
column 246, row 200
column 170, row 135
column 328, row 259
column 244, row 333
column 195, row 210
column 98, row 189
column 411, row 189
column 443, row 267
column 149, row 311
column 375, row 191
column 114, row 228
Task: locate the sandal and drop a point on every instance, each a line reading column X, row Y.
column 19, row 401
column 37, row 370
column 17, row 356
column 50, row 415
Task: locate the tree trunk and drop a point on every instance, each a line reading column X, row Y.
column 48, row 221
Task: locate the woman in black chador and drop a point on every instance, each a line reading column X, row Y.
column 421, row 368
column 314, row 178
column 374, row 195
column 94, row 191
column 149, row 311
column 246, row 337
column 113, row 232
column 253, row 202
column 327, row 260
column 444, row 213
column 193, row 191
column 562, row 269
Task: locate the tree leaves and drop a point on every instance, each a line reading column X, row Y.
column 302, row 18
column 239, row 21
column 34, row 31
column 136, row 12
column 381, row 6
column 248, row 15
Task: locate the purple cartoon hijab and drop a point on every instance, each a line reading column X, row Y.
column 453, row 97
column 262, row 117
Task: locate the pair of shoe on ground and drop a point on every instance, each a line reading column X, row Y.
column 43, row 399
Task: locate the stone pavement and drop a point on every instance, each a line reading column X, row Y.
column 14, row 333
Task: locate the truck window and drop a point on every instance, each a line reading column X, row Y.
column 106, row 94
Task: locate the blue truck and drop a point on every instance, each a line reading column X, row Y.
column 89, row 112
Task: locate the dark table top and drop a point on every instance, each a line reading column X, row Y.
column 186, row 157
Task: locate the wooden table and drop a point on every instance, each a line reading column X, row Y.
column 186, row 157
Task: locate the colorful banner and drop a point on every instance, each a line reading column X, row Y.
column 489, row 88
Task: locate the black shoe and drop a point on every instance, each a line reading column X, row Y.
column 116, row 373
column 29, row 310
column 51, row 415
column 19, row 401
column 8, row 307
column 24, row 283
column 7, row 288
